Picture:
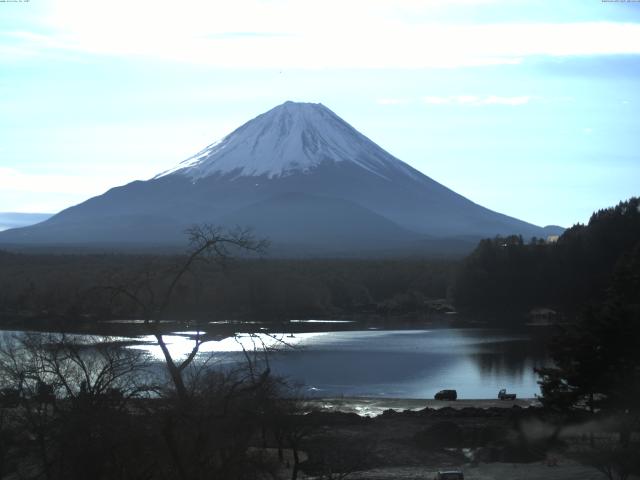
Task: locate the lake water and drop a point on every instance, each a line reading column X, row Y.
column 385, row 363
column 393, row 363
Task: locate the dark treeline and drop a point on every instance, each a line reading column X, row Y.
column 72, row 287
column 504, row 278
column 596, row 358
column 509, row 275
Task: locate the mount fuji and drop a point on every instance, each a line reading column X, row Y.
column 297, row 174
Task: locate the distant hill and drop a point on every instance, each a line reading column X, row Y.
column 551, row 230
column 301, row 176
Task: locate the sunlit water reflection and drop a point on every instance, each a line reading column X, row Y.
column 394, row 363
column 381, row 363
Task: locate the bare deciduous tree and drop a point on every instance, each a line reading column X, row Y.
column 73, row 396
column 207, row 243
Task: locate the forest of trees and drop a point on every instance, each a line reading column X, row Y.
column 509, row 275
column 596, row 357
column 500, row 281
column 68, row 287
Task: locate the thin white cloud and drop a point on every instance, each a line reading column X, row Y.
column 293, row 34
column 494, row 100
column 392, row 101
column 477, row 101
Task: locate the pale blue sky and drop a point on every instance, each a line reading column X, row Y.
column 526, row 107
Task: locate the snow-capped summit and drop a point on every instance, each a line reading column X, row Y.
column 298, row 175
column 290, row 138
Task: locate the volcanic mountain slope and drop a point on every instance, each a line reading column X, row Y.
column 299, row 175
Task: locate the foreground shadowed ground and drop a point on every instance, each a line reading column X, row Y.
column 565, row 470
column 487, row 443
column 93, row 420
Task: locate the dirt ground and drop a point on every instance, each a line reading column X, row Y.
column 565, row 470
column 405, row 443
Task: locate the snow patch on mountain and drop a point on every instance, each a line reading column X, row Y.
column 290, row 138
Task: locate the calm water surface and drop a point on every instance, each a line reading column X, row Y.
column 396, row 363
column 387, row 363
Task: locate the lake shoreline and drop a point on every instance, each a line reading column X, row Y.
column 374, row 406
column 486, row 438
column 345, row 321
